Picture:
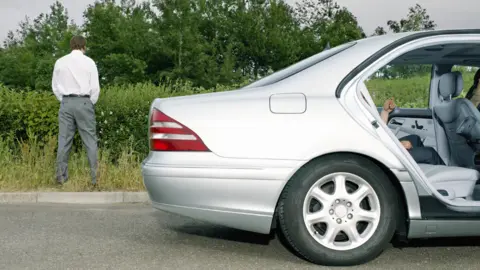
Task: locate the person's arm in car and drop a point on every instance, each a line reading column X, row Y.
column 388, row 107
column 384, row 115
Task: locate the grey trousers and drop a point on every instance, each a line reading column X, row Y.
column 76, row 112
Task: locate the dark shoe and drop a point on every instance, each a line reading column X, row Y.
column 94, row 187
column 61, row 181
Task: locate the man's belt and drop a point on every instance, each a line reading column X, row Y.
column 73, row 95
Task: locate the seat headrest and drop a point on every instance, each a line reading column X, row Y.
column 450, row 85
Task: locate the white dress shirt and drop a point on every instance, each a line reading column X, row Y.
column 75, row 74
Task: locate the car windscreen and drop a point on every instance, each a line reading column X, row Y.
column 299, row 66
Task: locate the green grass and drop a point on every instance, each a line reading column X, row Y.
column 32, row 168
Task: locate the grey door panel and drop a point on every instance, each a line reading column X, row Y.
column 404, row 122
column 421, row 127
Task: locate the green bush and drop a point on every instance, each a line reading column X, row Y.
column 122, row 111
column 21, row 111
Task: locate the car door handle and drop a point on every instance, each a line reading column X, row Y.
column 395, row 122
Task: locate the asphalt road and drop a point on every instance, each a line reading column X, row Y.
column 138, row 237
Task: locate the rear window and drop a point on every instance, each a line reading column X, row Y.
column 299, row 66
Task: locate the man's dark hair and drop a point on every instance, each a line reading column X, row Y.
column 78, row 43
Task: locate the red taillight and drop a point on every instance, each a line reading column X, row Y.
column 166, row 134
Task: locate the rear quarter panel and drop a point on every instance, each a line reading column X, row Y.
column 241, row 125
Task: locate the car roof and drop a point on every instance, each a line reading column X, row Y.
column 392, row 37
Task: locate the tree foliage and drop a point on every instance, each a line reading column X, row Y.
column 417, row 20
column 203, row 42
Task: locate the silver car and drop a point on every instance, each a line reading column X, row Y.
column 305, row 152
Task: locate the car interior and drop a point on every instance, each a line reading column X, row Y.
column 455, row 120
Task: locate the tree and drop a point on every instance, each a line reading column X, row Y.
column 188, row 55
column 265, row 37
column 120, row 40
column 30, row 52
column 325, row 22
column 379, row 31
column 417, row 20
column 205, row 42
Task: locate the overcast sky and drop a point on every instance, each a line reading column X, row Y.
column 370, row 13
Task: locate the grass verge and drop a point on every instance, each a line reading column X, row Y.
column 31, row 167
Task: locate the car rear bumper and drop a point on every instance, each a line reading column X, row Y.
column 236, row 193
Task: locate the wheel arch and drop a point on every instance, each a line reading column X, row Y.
column 402, row 222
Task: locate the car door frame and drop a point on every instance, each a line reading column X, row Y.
column 352, row 86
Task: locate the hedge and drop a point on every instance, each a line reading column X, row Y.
column 122, row 112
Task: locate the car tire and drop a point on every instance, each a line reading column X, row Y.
column 296, row 232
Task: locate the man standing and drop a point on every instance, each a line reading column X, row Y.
column 76, row 85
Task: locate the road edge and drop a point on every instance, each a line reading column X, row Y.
column 74, row 197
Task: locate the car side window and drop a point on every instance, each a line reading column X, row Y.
column 408, row 84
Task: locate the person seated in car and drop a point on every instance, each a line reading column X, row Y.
column 413, row 143
column 473, row 93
